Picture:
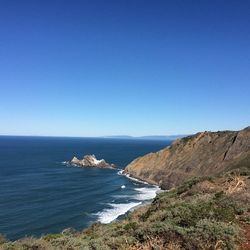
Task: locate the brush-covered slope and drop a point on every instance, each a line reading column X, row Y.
column 203, row 154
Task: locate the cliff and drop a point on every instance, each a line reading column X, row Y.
column 202, row 154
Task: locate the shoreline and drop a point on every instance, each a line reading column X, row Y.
column 141, row 202
column 117, row 211
column 121, row 172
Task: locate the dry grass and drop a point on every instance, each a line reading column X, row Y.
column 235, row 183
column 219, row 245
column 150, row 244
column 155, row 244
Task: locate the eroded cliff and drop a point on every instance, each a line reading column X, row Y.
column 202, row 154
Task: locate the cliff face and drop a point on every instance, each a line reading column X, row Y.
column 206, row 153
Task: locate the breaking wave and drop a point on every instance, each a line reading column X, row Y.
column 135, row 196
column 115, row 210
column 146, row 193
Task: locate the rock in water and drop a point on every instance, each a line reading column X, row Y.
column 91, row 161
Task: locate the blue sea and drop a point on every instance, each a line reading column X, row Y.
column 39, row 194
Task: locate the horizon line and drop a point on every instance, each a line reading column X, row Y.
column 125, row 136
column 101, row 136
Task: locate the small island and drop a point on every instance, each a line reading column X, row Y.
column 91, row 161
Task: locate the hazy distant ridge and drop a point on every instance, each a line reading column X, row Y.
column 147, row 137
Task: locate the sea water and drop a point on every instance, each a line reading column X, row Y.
column 39, row 194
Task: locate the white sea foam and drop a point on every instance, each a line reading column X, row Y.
column 120, row 172
column 134, row 179
column 123, row 186
column 146, row 193
column 119, row 196
column 115, row 210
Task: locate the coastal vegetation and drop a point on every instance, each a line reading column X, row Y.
column 202, row 213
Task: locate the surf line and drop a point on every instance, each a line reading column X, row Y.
column 115, row 210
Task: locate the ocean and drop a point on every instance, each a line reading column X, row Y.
column 39, row 194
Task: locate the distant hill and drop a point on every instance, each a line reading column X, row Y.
column 161, row 137
column 147, row 137
column 119, row 136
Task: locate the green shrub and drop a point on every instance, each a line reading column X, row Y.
column 189, row 184
column 130, row 226
column 50, row 237
column 213, row 231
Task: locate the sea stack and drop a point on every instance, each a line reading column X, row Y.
column 91, row 161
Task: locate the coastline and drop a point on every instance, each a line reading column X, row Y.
column 121, row 172
column 173, row 212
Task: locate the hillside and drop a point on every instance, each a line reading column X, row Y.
column 202, row 154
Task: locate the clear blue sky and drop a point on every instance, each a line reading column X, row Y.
column 135, row 67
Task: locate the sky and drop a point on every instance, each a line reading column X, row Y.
column 134, row 67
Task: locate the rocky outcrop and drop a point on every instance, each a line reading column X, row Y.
column 206, row 153
column 91, row 161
